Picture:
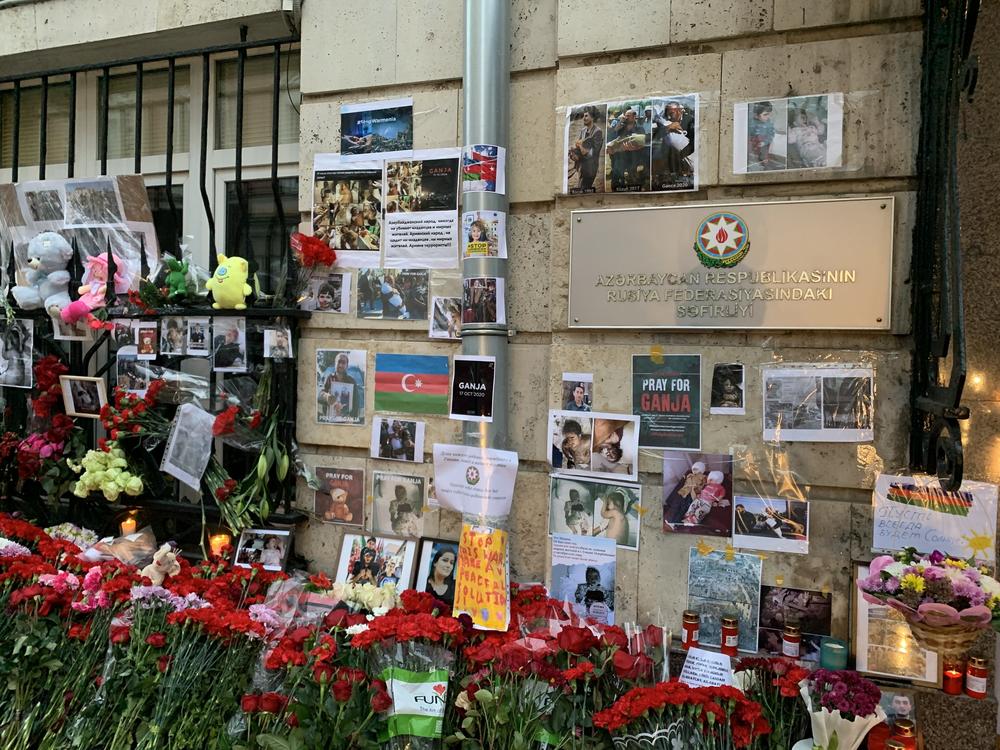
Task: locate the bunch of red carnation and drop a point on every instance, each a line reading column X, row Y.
column 129, row 413
column 401, row 627
column 47, row 372
column 312, row 251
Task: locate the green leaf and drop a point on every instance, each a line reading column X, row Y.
column 484, row 697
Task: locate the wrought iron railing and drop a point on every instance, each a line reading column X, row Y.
column 939, row 360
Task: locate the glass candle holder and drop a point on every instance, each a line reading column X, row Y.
column 833, row 654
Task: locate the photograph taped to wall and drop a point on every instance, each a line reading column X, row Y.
column 173, row 334
column 584, row 507
column 92, row 202
column 421, row 205
column 583, row 170
column 913, row 511
column 377, row 560
column 883, row 645
column 697, row 493
column 340, row 386
column 384, row 128
column 728, row 389
column 189, row 445
column 719, row 587
column 327, row 293
column 347, row 209
column 340, row 498
column 146, row 339
column 811, row 611
column 484, row 169
column 771, row 523
column 577, row 391
column 392, row 294
column 229, row 345
column 199, row 333
column 63, row 331
column 277, row 342
column 398, row 505
column 820, row 404
column 583, row 574
column 784, row 134
column 397, row 439
column 472, row 388
column 594, row 444
column 484, row 234
column 446, row 318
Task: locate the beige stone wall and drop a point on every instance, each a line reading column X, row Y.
column 570, row 51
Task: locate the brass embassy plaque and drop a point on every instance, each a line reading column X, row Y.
column 816, row 264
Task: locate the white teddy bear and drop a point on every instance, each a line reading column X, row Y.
column 46, row 280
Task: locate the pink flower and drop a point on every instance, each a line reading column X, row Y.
column 879, row 563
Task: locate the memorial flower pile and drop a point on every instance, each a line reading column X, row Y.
column 92, row 655
column 934, row 589
column 774, row 684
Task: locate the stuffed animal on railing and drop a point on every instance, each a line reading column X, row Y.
column 176, row 279
column 46, row 280
column 163, row 566
column 228, row 284
column 92, row 293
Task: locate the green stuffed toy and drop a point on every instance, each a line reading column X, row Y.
column 176, row 280
column 228, row 284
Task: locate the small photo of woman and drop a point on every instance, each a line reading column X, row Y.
column 437, row 568
column 267, row 547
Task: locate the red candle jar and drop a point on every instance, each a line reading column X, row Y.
column 905, row 733
column 975, row 678
column 952, row 684
column 689, row 632
column 893, row 744
column 791, row 642
column 730, row 635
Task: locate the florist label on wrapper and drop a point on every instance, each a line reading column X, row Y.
column 916, row 512
column 483, row 579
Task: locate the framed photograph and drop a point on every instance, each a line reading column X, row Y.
column 812, row 611
column 577, row 391
column 277, row 342
column 229, row 345
column 883, row 645
column 17, row 343
column 445, row 321
column 189, row 445
column 397, row 439
column 199, row 333
column 267, row 547
column 378, row 560
column 585, row 507
column 594, row 444
column 697, row 493
column 398, row 505
column 340, row 386
column 83, row 397
column 340, row 498
column 771, row 523
column 146, row 340
column 436, row 566
column 173, row 335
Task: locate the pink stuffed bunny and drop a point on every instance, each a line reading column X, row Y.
column 92, row 293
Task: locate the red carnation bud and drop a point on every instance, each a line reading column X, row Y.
column 250, row 703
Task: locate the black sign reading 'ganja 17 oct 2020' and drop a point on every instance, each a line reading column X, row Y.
column 666, row 396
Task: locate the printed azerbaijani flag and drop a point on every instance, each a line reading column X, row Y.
column 931, row 498
column 411, row 383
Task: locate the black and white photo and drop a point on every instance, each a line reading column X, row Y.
column 583, row 574
column 189, row 445
column 398, row 504
column 92, row 202
column 16, row 349
column 278, row 342
column 267, row 547
column 728, row 385
column 397, row 439
column 819, row 403
column 83, row 397
column 63, row 331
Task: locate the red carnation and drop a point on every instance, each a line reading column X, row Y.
column 250, row 703
column 163, row 663
column 381, row 701
column 156, row 640
column 342, row 691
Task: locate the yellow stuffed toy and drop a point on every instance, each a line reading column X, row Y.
column 228, row 284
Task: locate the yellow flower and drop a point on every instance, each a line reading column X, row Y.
column 912, row 582
column 993, row 602
column 960, row 564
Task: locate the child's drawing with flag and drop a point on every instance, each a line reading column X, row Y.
column 483, row 169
